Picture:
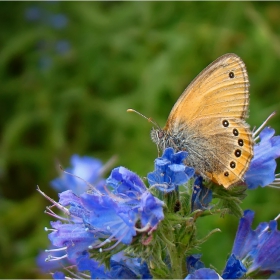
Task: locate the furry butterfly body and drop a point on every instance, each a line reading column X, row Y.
column 208, row 121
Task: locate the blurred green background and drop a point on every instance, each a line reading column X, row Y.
column 70, row 70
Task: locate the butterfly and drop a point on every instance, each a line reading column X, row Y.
column 208, row 121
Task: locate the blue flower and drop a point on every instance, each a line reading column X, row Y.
column 246, row 238
column 97, row 271
column 49, row 266
column 87, row 168
column 123, row 266
column 203, row 273
column 194, row 263
column 115, row 221
column 58, row 275
column 261, row 171
column 125, row 182
column 170, row 171
column 234, row 268
column 201, row 196
column 74, row 238
column 258, row 249
column 134, row 194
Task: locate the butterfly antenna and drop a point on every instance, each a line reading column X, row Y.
column 149, row 119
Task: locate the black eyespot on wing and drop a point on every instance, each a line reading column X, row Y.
column 225, row 123
column 226, row 174
column 231, row 75
column 235, row 132
column 232, row 164
column 237, row 153
column 240, row 142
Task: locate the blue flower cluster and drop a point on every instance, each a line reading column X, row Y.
column 255, row 252
column 111, row 228
column 170, row 171
column 102, row 218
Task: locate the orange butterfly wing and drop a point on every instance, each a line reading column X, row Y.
column 219, row 95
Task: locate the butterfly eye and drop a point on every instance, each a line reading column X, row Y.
column 231, row 75
column 160, row 134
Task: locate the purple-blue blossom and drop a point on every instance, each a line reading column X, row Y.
column 234, row 269
column 194, row 263
column 170, row 171
column 201, row 196
column 87, row 168
column 260, row 248
column 261, row 171
column 203, row 273
column 96, row 270
column 133, row 193
column 49, row 266
column 121, row 267
column 58, row 275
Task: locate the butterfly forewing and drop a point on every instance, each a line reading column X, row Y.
column 220, row 90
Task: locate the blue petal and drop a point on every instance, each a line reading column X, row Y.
column 170, row 171
column 125, row 182
column 194, row 263
column 266, row 257
column 262, row 167
column 97, row 271
column 137, row 265
column 203, row 273
column 52, row 266
column 246, row 238
column 168, row 153
column 179, row 157
column 234, row 268
column 152, row 210
column 85, row 167
column 73, row 236
column 121, row 271
column 58, row 275
column 105, row 215
column 201, row 196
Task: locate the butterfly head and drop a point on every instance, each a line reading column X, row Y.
column 160, row 137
